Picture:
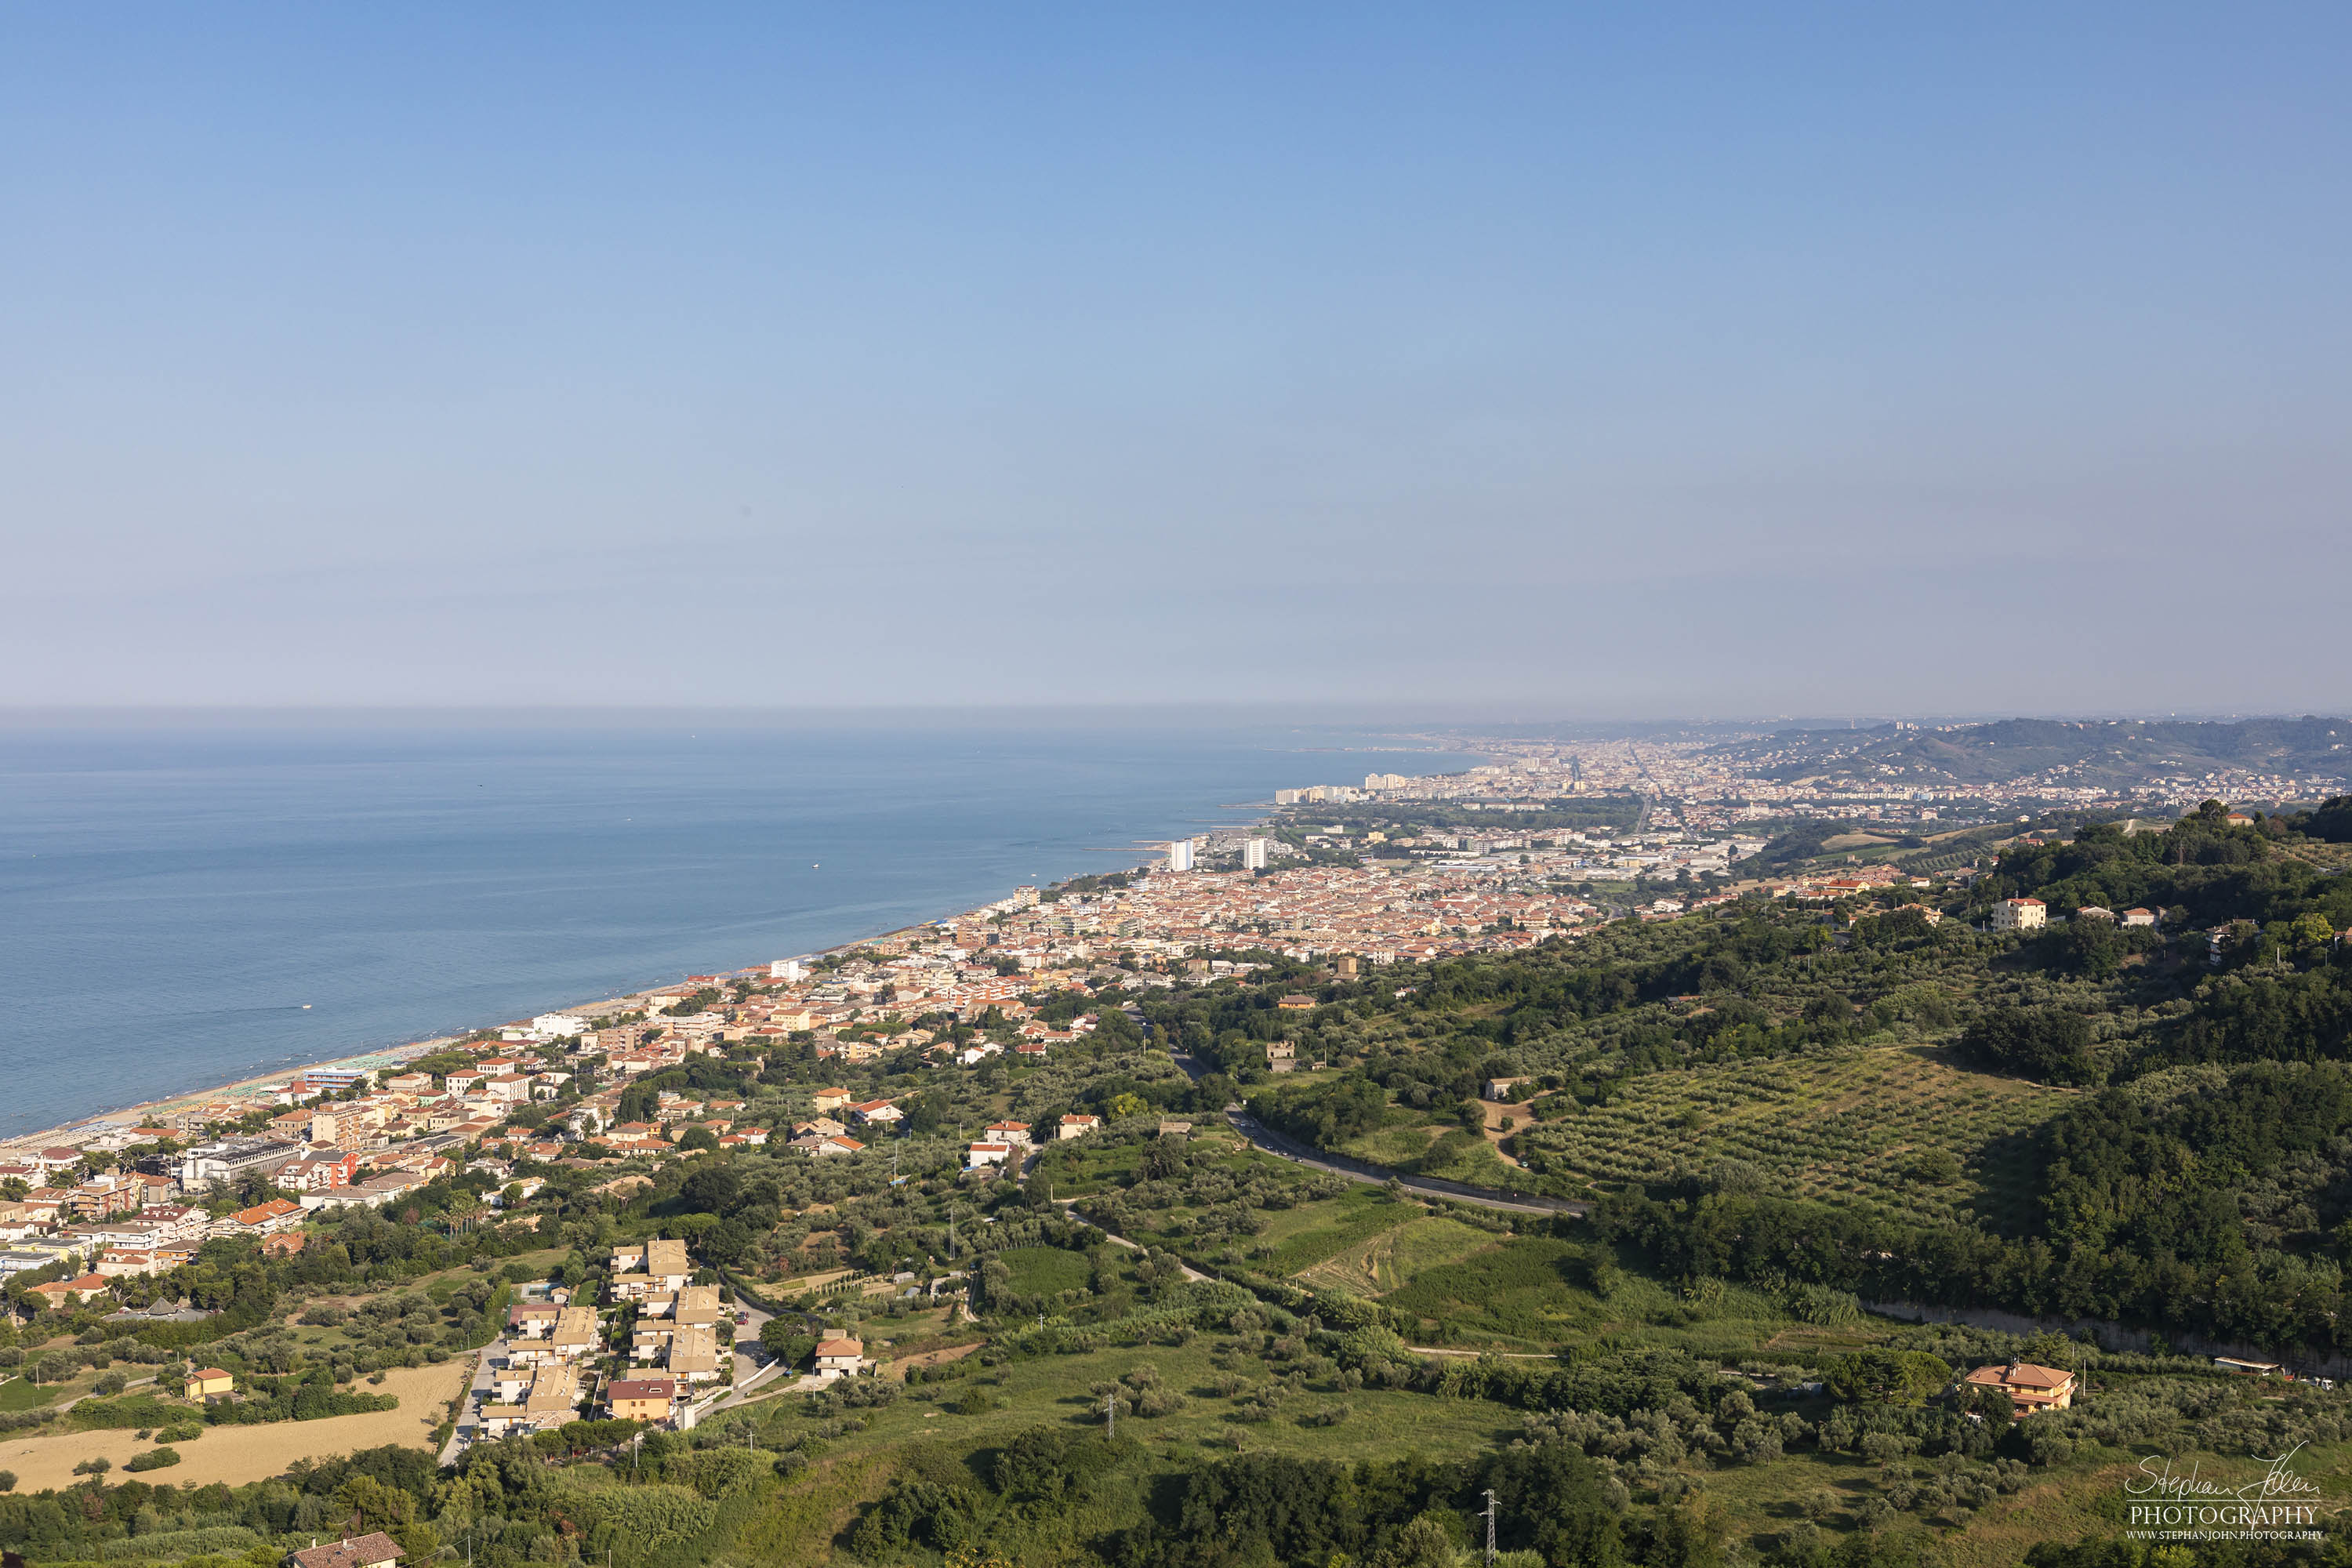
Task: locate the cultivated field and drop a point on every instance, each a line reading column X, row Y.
column 1842, row 1127
column 240, row 1454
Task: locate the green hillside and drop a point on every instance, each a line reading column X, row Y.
column 1179, row 1349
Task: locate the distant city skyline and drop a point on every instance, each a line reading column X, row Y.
column 1711, row 363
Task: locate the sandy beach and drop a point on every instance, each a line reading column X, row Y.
column 132, row 1115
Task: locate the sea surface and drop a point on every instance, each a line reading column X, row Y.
column 172, row 897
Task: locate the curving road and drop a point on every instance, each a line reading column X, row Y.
column 1284, row 1147
column 1287, row 1148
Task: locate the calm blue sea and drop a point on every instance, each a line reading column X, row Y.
column 172, row 897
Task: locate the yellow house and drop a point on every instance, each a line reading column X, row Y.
column 2030, row 1387
column 210, row 1383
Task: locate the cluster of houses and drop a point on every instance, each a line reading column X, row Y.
column 1003, row 1145
column 2032, row 914
column 133, row 1223
column 339, row 1137
column 680, row 1348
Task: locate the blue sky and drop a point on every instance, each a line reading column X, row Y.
column 1687, row 361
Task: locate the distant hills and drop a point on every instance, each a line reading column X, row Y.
column 2097, row 753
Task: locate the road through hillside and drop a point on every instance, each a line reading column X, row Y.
column 1287, row 1148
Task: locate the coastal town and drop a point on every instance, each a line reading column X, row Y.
column 756, row 1200
column 90, row 1209
column 369, row 1128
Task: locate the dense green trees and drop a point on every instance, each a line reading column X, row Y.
column 2144, row 1218
column 2046, row 1044
column 1885, row 1377
column 2218, row 1201
column 1254, row 1507
column 2204, row 866
column 2331, row 821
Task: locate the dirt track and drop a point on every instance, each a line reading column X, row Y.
column 239, row 1454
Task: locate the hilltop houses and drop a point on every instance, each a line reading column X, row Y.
column 2020, row 914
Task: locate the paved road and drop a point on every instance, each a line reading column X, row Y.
column 470, row 1414
column 1290, row 1149
column 752, row 1372
column 77, row 1399
column 1287, row 1148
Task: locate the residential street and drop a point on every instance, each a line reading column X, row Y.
column 485, row 1360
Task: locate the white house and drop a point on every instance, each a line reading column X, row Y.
column 2020, row 914
column 840, row 1357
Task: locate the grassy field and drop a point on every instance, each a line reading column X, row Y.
column 1393, row 1257
column 2066, row 1503
column 1840, row 1127
column 22, row 1394
column 1400, row 1145
column 1300, row 1237
column 1523, row 1284
column 1043, row 1270
column 1435, row 1149
column 1462, row 1156
column 1521, row 1293
column 1100, row 1169
column 1378, row 1423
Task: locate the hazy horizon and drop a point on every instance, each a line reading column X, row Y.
column 1494, row 721
column 1521, row 361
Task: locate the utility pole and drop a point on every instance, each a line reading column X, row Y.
column 1490, row 1527
column 1110, row 1414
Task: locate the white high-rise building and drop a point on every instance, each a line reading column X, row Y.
column 786, row 969
column 1179, row 854
column 1252, row 853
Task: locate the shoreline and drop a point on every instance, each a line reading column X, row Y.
column 132, row 1115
